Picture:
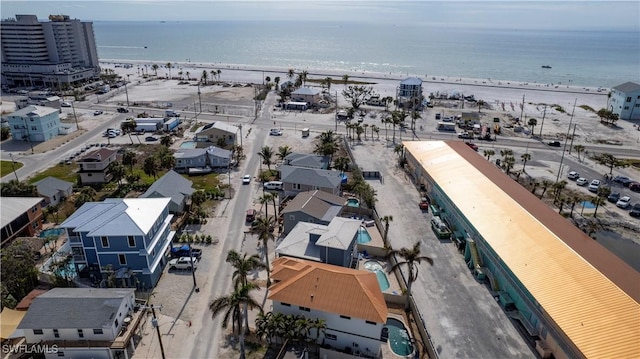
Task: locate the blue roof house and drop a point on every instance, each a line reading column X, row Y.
column 129, row 237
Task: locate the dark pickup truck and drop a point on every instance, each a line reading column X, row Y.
column 183, row 251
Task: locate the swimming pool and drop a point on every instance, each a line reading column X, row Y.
column 188, row 144
column 353, row 202
column 383, row 281
column 51, row 232
column 399, row 340
column 363, row 235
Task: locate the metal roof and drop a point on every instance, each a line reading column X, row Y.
column 328, row 288
column 628, row 87
column 171, row 185
column 310, row 176
column 307, row 160
column 14, row 207
column 306, row 91
column 49, row 186
column 39, row 111
column 340, row 234
column 411, row 81
column 298, row 242
column 58, row 308
column 319, row 204
column 117, row 217
column 561, row 267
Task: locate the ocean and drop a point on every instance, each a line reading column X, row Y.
column 579, row 58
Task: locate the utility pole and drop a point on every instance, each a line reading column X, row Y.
column 573, row 135
column 543, row 116
column 564, row 149
column 193, row 272
column 199, row 98
column 522, row 109
column 126, row 91
column 154, row 322
column 336, row 111
column 13, row 166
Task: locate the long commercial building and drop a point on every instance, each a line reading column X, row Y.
column 572, row 297
column 52, row 53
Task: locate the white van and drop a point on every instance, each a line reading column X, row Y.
column 273, row 185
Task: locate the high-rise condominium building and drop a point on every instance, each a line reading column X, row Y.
column 47, row 53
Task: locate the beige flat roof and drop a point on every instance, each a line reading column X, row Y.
column 590, row 294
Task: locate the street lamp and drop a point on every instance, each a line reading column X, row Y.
column 564, row 149
column 336, row 91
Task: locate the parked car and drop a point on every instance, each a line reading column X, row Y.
column 183, row 251
column 614, row 197
column 183, row 263
column 273, row 185
column 472, row 145
column 582, row 181
column 150, row 139
column 251, row 215
column 554, row 144
column 624, row 202
column 465, row 135
column 246, row 179
column 573, row 175
column 98, row 112
column 65, row 104
column 122, row 110
column 275, row 132
column 635, row 211
column 622, row 180
column 634, row 186
column 594, row 185
column 424, row 203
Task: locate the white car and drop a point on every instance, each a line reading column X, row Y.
column 624, row 202
column 65, row 104
column 97, row 112
column 594, row 185
column 275, row 132
column 573, row 175
column 183, row 263
column 582, row 181
column 246, row 179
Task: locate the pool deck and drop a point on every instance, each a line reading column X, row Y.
column 394, row 285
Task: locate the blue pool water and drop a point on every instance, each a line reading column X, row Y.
column 383, row 281
column 363, row 236
column 51, row 232
column 587, row 204
column 188, row 144
column 353, row 202
column 399, row 339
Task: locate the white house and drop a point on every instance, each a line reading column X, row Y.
column 625, row 101
column 54, row 190
column 34, row 123
column 349, row 300
column 83, row 323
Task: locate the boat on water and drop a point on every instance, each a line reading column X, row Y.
column 546, row 66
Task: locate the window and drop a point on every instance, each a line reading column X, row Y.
column 37, row 332
column 626, row 107
column 285, row 304
column 97, row 331
column 80, row 333
column 345, row 317
column 132, row 241
column 56, row 333
column 331, row 336
column 629, row 99
column 116, row 323
column 34, row 128
column 34, row 209
column 105, row 242
column 370, row 322
column 60, row 354
column 296, row 186
column 122, row 259
column 304, row 309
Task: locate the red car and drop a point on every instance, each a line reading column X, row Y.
column 424, row 203
column 472, row 145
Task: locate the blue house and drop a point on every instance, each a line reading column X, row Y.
column 127, row 237
column 34, row 123
column 409, row 93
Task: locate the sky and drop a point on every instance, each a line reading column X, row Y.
column 513, row 14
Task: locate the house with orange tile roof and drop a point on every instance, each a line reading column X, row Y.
column 348, row 300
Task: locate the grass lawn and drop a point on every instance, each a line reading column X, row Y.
column 5, row 167
column 63, row 172
column 205, row 182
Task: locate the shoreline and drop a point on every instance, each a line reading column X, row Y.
column 337, row 75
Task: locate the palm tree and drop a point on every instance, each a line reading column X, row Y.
column 598, row 201
column 265, row 200
column 117, row 171
column 386, row 220
column 415, row 115
column 154, row 67
column 345, row 79
column 579, row 150
column 188, row 76
column 328, row 80
column 266, row 153
column 205, row 76
column 411, row 258
column 375, row 129
column 525, row 157
column 166, row 141
column 303, row 76
column 532, row 123
column 284, row 151
column 151, row 167
column 129, row 126
column 169, row 66
column 480, row 104
column 243, row 265
column 218, row 72
column 291, row 73
column 557, row 189
column 264, row 229
column 276, row 80
column 341, row 163
column 87, row 194
column 213, row 74
column 545, row 185
column 489, row 153
column 230, row 304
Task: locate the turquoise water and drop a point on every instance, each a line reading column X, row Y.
column 399, row 339
column 383, row 281
column 352, row 202
column 188, row 144
column 363, row 236
column 587, row 204
column 51, row 232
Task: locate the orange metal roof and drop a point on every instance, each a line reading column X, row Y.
column 600, row 317
column 328, row 288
